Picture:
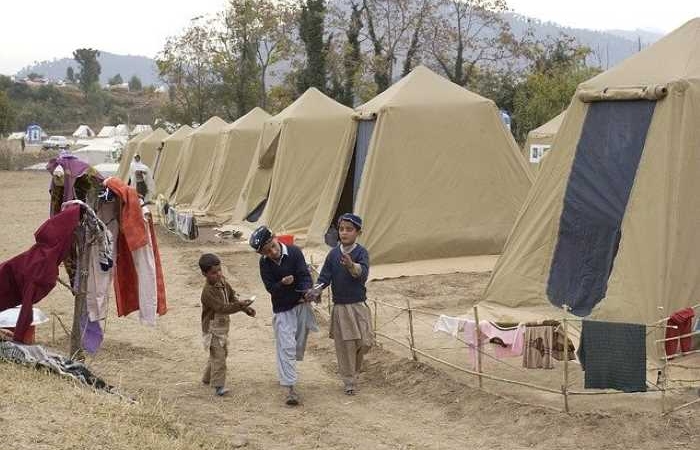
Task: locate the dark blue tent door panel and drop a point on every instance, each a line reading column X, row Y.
column 599, row 186
column 364, row 135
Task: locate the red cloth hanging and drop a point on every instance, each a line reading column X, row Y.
column 683, row 319
column 132, row 236
column 28, row 277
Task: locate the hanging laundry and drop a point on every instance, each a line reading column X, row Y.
column 71, row 170
column 511, row 340
column 537, row 353
column 683, row 320
column 161, row 301
column 100, row 248
column 449, row 325
column 28, row 277
column 135, row 282
column 613, row 355
column 558, row 345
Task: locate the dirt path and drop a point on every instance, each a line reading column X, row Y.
column 401, row 404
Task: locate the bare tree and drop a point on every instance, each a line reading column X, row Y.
column 394, row 28
column 465, row 34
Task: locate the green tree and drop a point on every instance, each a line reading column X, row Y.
column 7, row 114
column 236, row 57
column 35, row 76
column 70, row 74
column 115, row 80
column 187, row 66
column 89, row 68
column 352, row 56
column 311, row 26
column 135, row 84
column 558, row 66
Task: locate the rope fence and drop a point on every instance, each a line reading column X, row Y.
column 410, row 342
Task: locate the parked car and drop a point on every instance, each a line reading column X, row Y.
column 58, row 142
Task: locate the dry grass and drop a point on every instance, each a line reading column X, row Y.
column 43, row 411
column 13, row 159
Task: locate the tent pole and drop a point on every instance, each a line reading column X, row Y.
column 477, row 342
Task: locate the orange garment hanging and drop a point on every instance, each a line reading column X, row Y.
column 132, row 236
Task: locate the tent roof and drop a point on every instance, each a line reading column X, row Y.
column 675, row 56
column 211, row 126
column 253, row 120
column 550, row 128
column 312, row 103
column 157, row 136
column 180, row 134
column 411, row 89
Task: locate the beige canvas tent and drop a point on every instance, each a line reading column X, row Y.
column 539, row 141
column 166, row 161
column 433, row 173
column 128, row 154
column 233, row 155
column 148, row 147
column 196, row 159
column 610, row 227
column 296, row 152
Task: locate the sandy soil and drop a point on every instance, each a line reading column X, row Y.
column 401, row 404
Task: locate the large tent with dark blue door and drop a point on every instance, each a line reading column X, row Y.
column 434, row 174
column 610, row 226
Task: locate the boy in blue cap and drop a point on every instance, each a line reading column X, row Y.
column 346, row 269
column 286, row 277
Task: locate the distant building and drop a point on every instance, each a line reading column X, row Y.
column 34, row 134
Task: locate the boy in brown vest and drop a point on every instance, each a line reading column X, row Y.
column 218, row 302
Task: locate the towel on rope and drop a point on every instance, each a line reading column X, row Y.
column 613, row 355
column 683, row 320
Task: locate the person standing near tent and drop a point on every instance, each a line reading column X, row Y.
column 286, row 277
column 346, row 269
column 219, row 301
column 140, row 177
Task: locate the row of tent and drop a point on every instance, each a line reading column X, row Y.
column 109, row 131
column 608, row 229
column 417, row 162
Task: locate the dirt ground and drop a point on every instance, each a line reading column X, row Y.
column 401, row 404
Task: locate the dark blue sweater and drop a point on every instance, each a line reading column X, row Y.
column 285, row 297
column 345, row 288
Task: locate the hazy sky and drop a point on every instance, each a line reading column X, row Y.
column 45, row 29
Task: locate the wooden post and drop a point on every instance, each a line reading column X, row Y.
column 664, row 368
column 477, row 346
column 565, row 381
column 375, row 316
column 76, row 345
column 410, row 330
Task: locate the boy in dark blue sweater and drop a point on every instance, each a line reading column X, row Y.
column 346, row 270
column 286, row 277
